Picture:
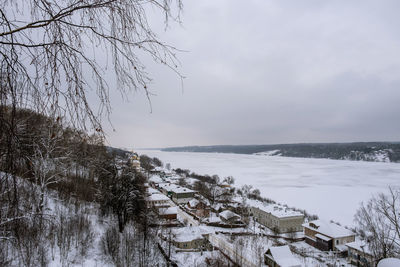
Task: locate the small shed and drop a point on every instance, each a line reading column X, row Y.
column 230, row 217
column 281, row 257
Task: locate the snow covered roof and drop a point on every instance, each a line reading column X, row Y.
column 218, row 206
column 193, row 202
column 159, row 169
column 175, row 177
column 284, row 257
column 328, row 229
column 155, row 179
column 389, row 262
column 189, row 233
column 169, row 210
column 151, row 191
column 157, row 197
column 360, row 246
column 278, row 211
column 227, row 215
column 325, row 238
column 176, row 188
column 213, row 219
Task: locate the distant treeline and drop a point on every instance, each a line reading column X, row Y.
column 366, row 151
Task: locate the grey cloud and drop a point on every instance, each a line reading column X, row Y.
column 272, row 72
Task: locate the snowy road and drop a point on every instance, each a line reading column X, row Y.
column 183, row 215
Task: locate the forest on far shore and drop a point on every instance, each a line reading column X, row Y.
column 365, row 151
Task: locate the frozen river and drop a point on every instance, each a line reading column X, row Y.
column 332, row 189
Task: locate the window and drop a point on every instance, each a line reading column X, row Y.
column 337, row 242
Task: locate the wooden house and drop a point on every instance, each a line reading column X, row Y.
column 199, row 208
column 327, row 235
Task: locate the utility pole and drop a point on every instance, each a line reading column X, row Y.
column 169, row 244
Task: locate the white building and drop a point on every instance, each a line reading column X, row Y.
column 157, row 200
column 179, row 194
column 278, row 217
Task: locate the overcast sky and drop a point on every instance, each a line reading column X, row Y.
column 265, row 72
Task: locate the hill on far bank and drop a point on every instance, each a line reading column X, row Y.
column 364, row 151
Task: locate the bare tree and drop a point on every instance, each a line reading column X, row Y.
column 379, row 223
column 49, row 47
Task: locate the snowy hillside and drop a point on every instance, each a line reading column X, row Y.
column 376, row 155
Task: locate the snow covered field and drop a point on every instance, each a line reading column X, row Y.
column 332, row 189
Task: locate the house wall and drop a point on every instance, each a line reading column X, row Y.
column 359, row 258
column 182, row 198
column 269, row 262
column 310, row 233
column 232, row 220
column 157, row 202
column 343, row 240
column 202, row 212
column 168, row 216
column 183, row 195
column 193, row 244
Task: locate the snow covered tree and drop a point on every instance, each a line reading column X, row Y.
column 229, row 180
column 122, row 193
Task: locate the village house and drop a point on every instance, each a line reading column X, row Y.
column 229, row 217
column 179, row 194
column 281, row 257
column 182, row 195
column 169, row 213
column 199, row 208
column 157, row 170
column 190, row 238
column 217, row 207
column 157, row 201
column 276, row 217
column 359, row 254
column 327, row 235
